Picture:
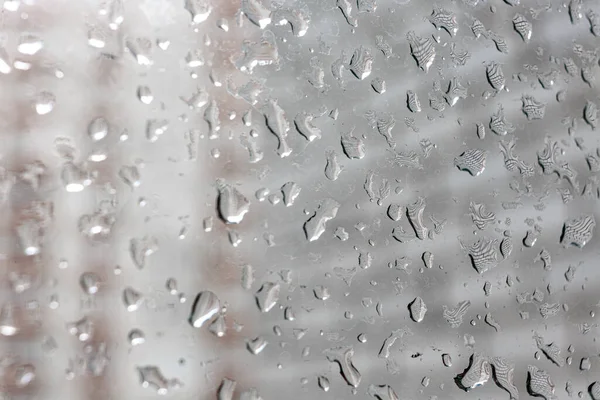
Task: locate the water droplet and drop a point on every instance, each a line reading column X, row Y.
column 454, row 316
column 444, row 19
column 83, row 329
column 267, row 296
column 132, row 299
column 422, row 49
column 382, row 392
column 11, row 5
column 345, row 7
column 256, row 12
column 256, row 345
column 223, row 24
column 585, row 364
column 140, row 48
column 98, row 128
column 532, row 108
column 130, row 174
column 8, row 321
column 253, row 54
column 30, row 233
column 343, row 356
column 75, row 177
column 232, row 204
column 447, row 360
column 478, row 372
column 30, row 44
column 219, row 326
column 323, row 383
column 153, row 378
column 413, row 102
column 145, row 94
column 353, row 147
column 523, row 27
column 155, row 128
column 142, row 248
column 89, row 282
column 595, row 390
column 417, row 309
column 578, row 231
column 206, row 306
column 207, row 224
column 473, row 161
column 361, row 63
column 321, row 292
column 539, row 382
column 379, row 85
column 278, row 125
column 136, row 337
column 332, row 167
column 24, row 374
column 44, row 102
column 316, row 224
column 171, row 286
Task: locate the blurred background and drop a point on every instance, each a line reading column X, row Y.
column 133, row 130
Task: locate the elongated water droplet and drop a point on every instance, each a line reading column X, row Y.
column 8, row 321
column 98, row 128
column 232, row 204
column 142, row 248
column 226, row 389
column 205, row 308
column 130, row 174
column 89, row 282
column 417, row 309
column 323, row 383
column 343, row 356
column 315, row 225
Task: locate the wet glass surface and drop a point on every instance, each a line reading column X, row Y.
column 370, row 199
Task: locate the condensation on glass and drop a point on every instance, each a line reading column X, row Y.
column 371, row 199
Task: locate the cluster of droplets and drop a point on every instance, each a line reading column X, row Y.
column 492, row 245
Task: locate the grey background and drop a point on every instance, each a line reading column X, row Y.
column 104, row 83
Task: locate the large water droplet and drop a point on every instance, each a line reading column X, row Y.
column 204, row 309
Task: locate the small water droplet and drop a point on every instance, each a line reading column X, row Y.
column 145, row 94
column 132, row 299
column 44, row 102
column 136, row 337
column 83, row 329
column 89, row 282
column 256, row 345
